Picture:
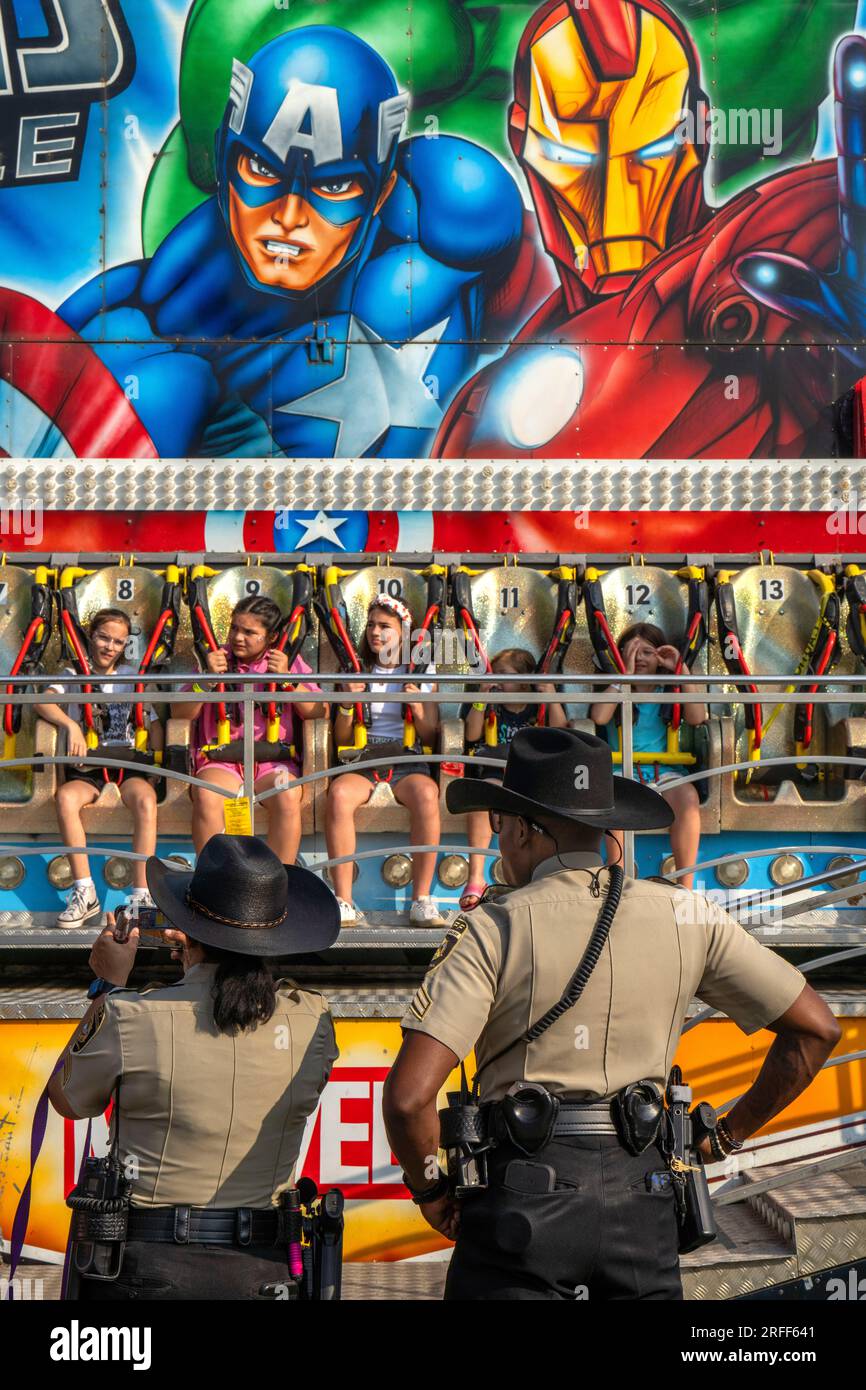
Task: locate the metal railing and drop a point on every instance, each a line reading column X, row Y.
column 246, row 692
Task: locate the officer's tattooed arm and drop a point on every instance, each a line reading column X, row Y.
column 422, row 1067
column 805, row 1036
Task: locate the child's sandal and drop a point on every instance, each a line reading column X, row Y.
column 471, row 896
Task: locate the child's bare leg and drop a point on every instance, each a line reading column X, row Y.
column 685, row 833
column 72, row 797
column 139, row 796
column 346, row 795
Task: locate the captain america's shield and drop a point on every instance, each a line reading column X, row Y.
column 57, row 400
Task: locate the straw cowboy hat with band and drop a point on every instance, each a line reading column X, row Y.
column 563, row 773
column 241, row 898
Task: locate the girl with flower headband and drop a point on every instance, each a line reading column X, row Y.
column 388, row 629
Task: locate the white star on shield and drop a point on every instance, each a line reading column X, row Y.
column 380, row 387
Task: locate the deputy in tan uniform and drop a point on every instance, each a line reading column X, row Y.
column 216, row 1075
column 581, row 1216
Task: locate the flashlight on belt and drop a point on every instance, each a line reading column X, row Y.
column 695, row 1219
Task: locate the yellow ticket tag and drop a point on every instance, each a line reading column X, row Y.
column 238, row 819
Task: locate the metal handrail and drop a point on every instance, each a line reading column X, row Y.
column 632, row 687
column 774, row 850
column 459, row 678
column 806, row 969
column 789, row 1177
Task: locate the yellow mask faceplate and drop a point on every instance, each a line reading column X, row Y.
column 607, row 149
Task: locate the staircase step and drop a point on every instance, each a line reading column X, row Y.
column 746, row 1255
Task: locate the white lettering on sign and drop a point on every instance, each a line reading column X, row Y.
column 345, row 1143
column 336, row 1132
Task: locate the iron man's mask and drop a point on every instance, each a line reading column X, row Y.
column 612, row 152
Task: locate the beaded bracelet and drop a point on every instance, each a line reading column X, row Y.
column 724, row 1130
column 718, row 1153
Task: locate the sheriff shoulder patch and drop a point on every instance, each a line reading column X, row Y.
column 448, row 942
column 89, row 1028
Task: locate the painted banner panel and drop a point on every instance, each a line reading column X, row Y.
column 630, row 228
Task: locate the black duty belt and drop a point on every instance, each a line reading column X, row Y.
column 203, row 1225
column 592, row 1118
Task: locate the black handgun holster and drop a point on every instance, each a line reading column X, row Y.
column 637, row 1114
column 528, row 1117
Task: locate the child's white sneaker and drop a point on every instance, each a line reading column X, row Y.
column 350, row 915
column 425, row 913
column 81, row 905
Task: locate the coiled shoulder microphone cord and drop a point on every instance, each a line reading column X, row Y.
column 579, row 979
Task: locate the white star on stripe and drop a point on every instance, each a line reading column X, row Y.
column 321, row 528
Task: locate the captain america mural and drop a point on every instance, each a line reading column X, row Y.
column 338, row 283
column 301, row 233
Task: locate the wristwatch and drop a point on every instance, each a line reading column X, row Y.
column 99, row 987
column 429, row 1194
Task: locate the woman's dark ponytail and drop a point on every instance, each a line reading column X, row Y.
column 244, row 992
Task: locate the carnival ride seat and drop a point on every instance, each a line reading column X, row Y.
column 26, row 623
column 212, row 595
column 515, row 605
column 151, row 599
column 343, row 598
column 677, row 602
column 777, row 619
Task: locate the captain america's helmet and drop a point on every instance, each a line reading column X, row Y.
column 314, row 105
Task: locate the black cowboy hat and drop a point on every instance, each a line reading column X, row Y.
column 562, row 773
column 241, row 898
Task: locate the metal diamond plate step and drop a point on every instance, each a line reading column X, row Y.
column 789, row 1233
column 60, row 1001
column 747, row 1255
column 826, row 1216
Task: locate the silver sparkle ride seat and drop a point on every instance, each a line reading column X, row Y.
column 152, row 601
column 211, row 597
column 677, row 602
column 774, row 619
column 515, row 606
column 343, row 597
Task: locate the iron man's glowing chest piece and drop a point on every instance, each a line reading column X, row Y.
column 610, row 153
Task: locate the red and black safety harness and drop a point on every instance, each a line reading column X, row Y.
column 157, row 656
column 28, row 660
column 331, row 606
column 550, row 662
column 819, row 655
column 611, row 662
column 290, row 639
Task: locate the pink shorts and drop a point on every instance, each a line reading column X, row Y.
column 259, row 769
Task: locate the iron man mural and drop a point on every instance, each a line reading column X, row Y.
column 676, row 331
